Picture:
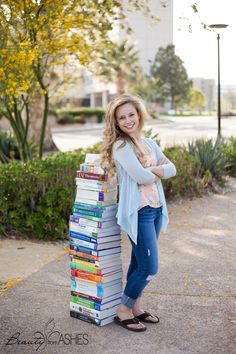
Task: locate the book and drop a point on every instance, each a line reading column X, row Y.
column 98, row 300
column 98, row 278
column 94, row 246
column 86, row 167
column 94, row 313
column 96, row 240
column 97, row 264
column 96, row 291
column 91, row 158
column 93, row 203
column 89, row 229
column 93, row 176
column 94, row 305
column 96, row 195
column 101, row 260
column 76, row 230
column 97, row 253
column 90, row 256
column 91, row 285
column 97, row 224
column 97, row 271
column 95, row 321
column 96, row 183
column 96, row 206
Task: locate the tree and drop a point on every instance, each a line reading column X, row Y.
column 197, row 99
column 119, row 63
column 37, row 36
column 173, row 81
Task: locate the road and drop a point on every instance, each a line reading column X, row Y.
column 171, row 130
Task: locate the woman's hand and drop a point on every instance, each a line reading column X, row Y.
column 157, row 170
column 162, row 161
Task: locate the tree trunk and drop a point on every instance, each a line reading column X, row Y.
column 120, row 84
column 36, row 110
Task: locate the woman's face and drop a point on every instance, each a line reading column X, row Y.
column 127, row 119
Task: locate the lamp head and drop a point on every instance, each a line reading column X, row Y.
column 218, row 25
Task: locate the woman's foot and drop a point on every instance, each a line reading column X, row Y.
column 145, row 316
column 125, row 313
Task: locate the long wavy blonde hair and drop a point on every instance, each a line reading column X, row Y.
column 113, row 133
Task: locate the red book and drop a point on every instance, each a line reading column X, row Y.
column 93, row 176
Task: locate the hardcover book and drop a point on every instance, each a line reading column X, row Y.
column 94, row 313
column 95, row 321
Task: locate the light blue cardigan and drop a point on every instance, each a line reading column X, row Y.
column 130, row 173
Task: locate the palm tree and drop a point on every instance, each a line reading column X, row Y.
column 119, row 63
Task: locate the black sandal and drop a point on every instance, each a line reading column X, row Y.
column 125, row 324
column 143, row 317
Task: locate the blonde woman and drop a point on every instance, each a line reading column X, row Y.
column 142, row 213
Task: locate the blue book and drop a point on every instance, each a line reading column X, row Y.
column 98, row 253
column 95, row 284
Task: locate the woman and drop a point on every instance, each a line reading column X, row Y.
column 142, row 211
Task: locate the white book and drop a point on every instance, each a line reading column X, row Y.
column 94, row 246
column 93, row 182
column 96, row 188
column 98, row 264
column 80, row 228
column 94, row 313
column 97, row 224
column 100, row 203
column 98, row 196
column 97, row 292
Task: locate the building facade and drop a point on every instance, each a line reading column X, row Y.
column 147, row 36
column 208, row 88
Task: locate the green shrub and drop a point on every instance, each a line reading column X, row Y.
column 36, row 197
column 187, row 182
column 154, row 136
column 8, row 148
column 229, row 151
column 210, row 157
column 78, row 115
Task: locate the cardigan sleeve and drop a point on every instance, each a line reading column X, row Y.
column 130, row 163
column 169, row 168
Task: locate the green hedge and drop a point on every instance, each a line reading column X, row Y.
column 78, row 115
column 188, row 181
column 36, row 197
column 229, row 151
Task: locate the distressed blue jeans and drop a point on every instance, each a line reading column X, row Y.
column 144, row 256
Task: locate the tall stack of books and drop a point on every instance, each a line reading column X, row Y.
column 95, row 246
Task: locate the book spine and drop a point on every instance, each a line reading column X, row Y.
column 84, row 221
column 83, row 255
column 83, row 237
column 93, row 277
column 93, row 176
column 83, row 302
column 85, row 318
column 85, row 268
column 90, row 304
column 99, row 207
column 79, row 248
column 81, row 233
column 87, row 212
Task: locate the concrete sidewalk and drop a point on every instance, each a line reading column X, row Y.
column 194, row 293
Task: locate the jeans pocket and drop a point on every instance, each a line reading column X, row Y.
column 144, row 209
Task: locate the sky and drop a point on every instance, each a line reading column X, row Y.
column 198, row 49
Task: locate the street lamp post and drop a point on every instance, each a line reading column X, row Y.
column 218, row 26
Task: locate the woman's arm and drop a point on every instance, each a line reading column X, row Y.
column 165, row 168
column 130, row 163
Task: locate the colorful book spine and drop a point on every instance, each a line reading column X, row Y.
column 94, row 246
column 92, row 176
